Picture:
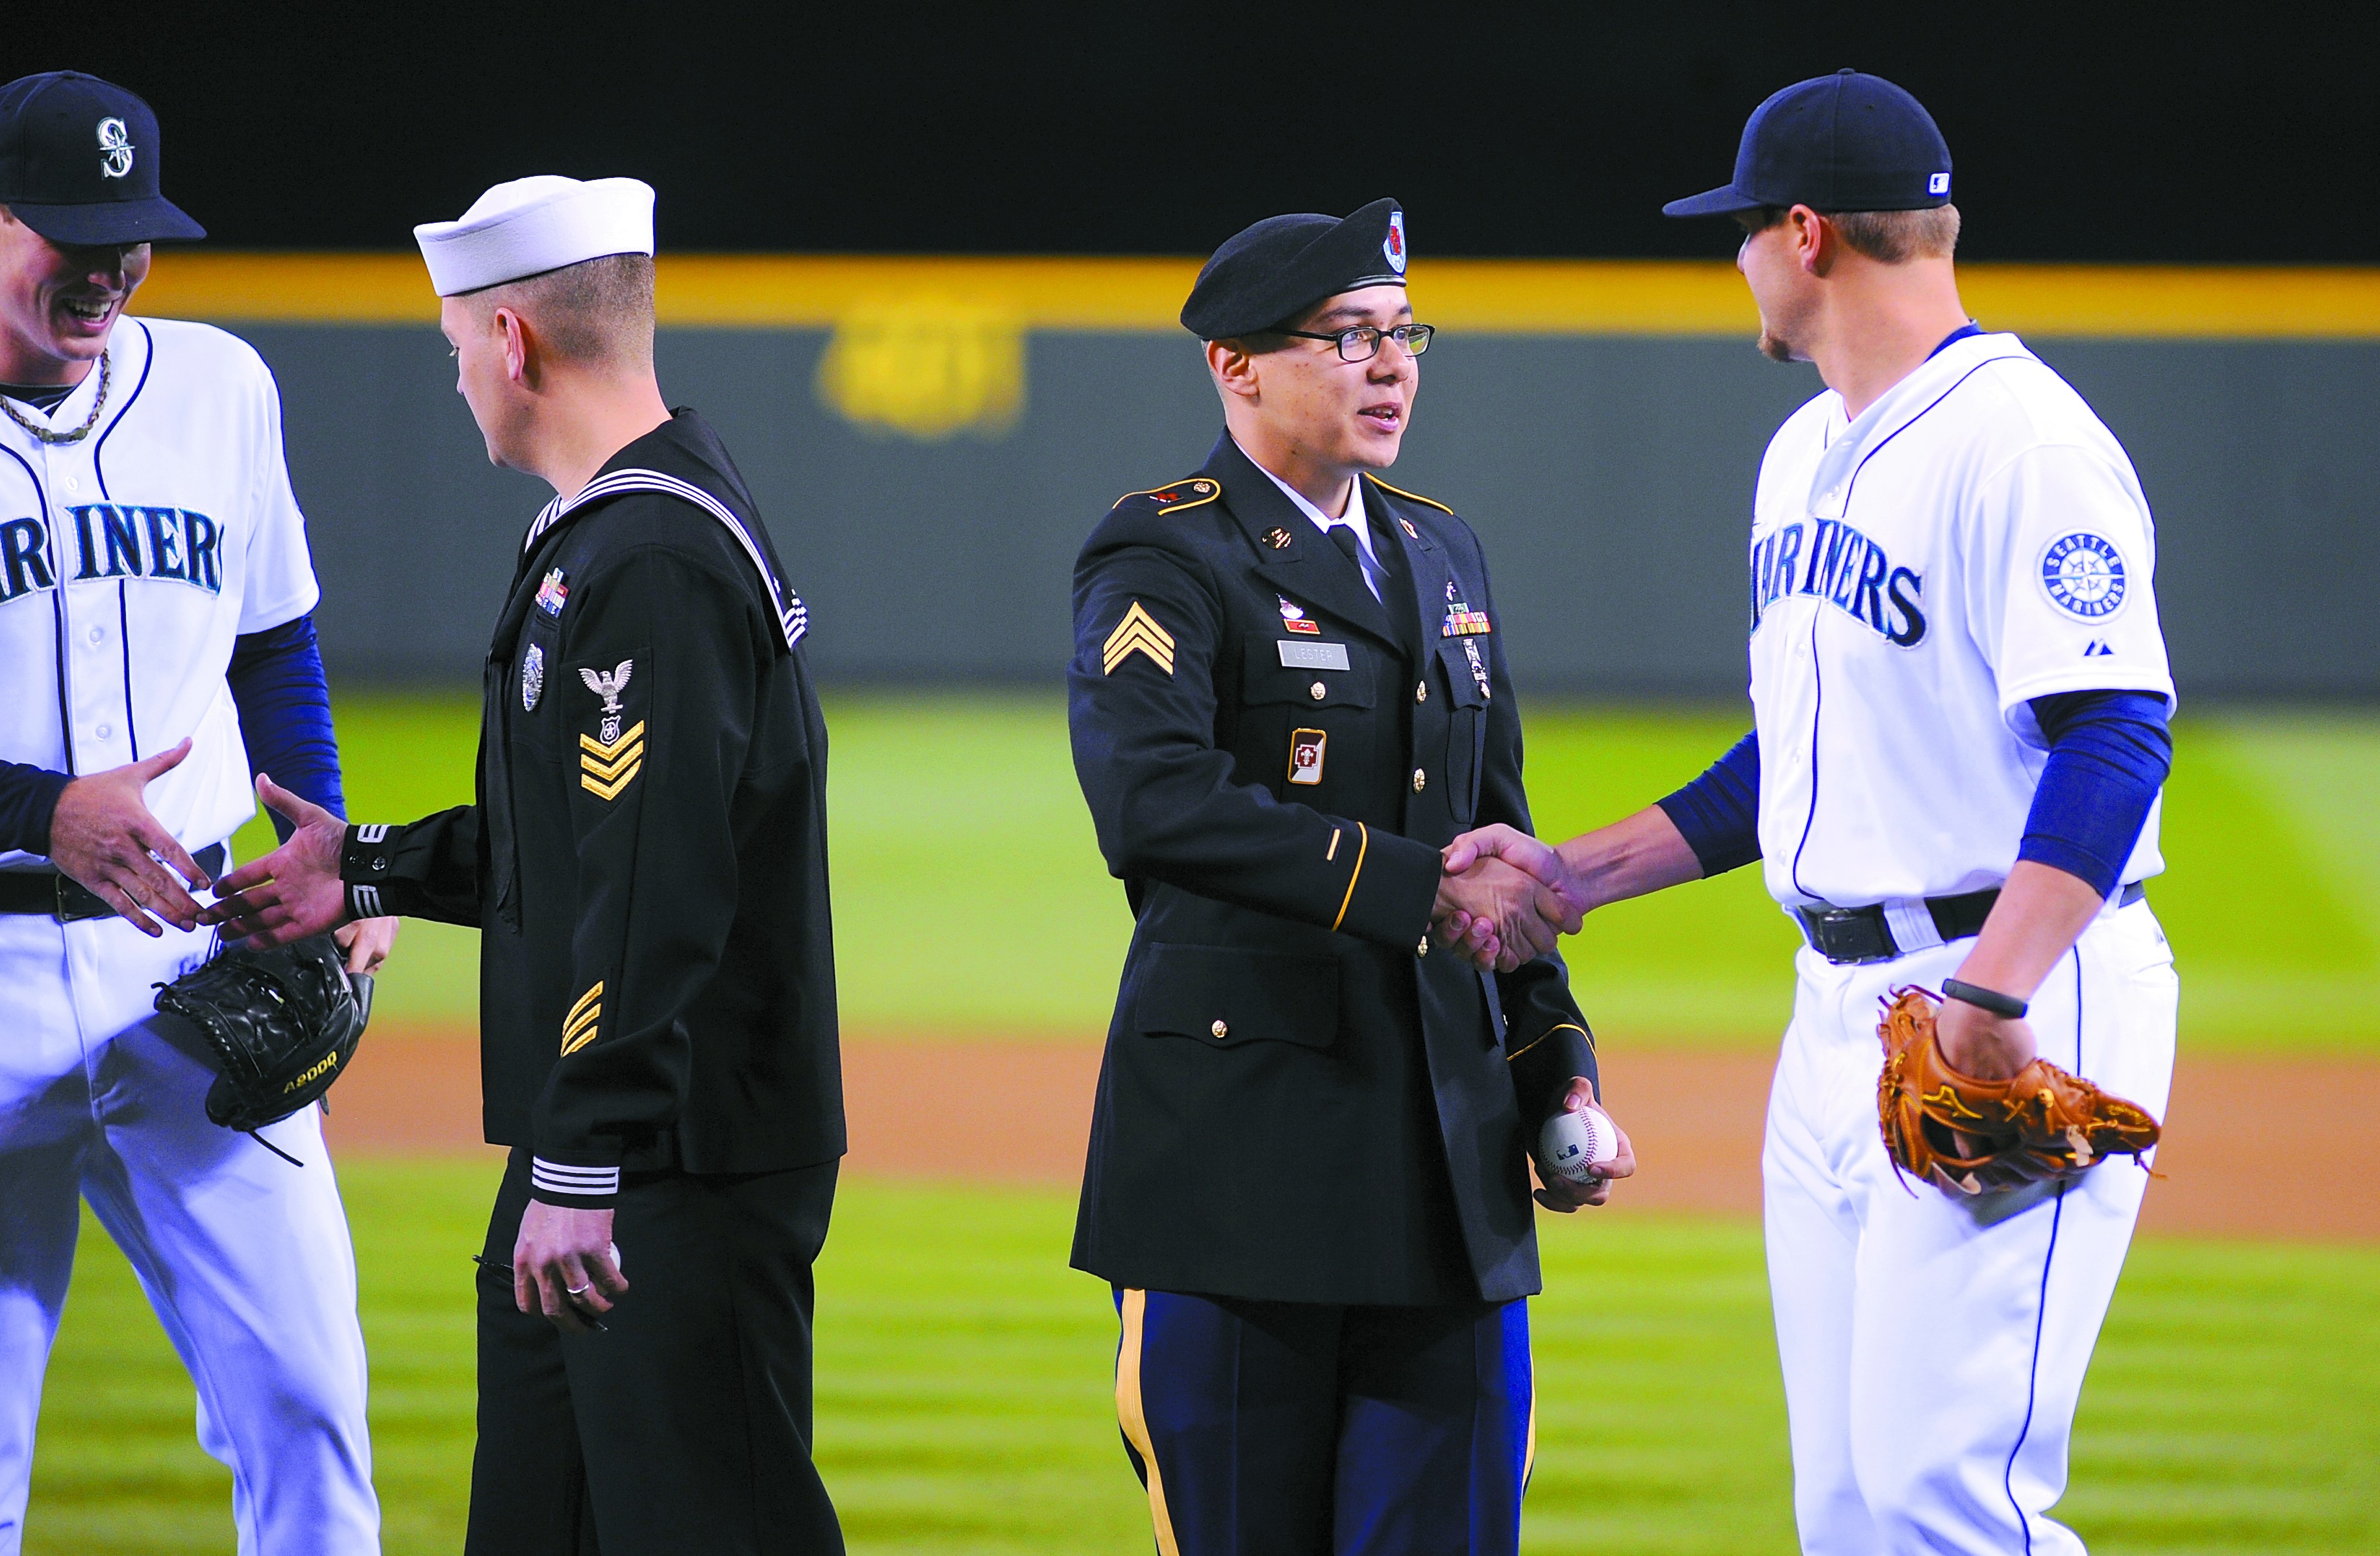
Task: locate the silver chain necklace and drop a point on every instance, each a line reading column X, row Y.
column 97, row 405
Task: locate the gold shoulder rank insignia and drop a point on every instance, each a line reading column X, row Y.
column 606, row 768
column 1138, row 633
column 1190, row 493
column 1409, row 496
column 578, row 1026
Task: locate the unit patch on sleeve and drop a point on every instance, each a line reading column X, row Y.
column 610, row 760
column 1305, row 758
column 1137, row 634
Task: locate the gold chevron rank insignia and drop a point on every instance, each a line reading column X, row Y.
column 605, row 767
column 578, row 1026
column 1138, row 634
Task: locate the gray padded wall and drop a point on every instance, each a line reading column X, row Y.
column 1609, row 476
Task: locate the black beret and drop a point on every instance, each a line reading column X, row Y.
column 1283, row 265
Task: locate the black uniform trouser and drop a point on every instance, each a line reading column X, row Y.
column 686, row 1425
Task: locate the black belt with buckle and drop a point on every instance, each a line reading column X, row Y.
column 1852, row 935
column 64, row 898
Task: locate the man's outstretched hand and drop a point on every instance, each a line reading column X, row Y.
column 294, row 891
column 1506, row 898
column 103, row 836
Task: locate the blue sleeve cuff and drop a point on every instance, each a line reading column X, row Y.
column 285, row 714
column 1719, row 813
column 2109, row 752
column 29, row 797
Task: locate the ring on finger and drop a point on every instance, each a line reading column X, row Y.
column 578, row 1291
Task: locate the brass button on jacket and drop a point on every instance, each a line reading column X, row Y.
column 1421, row 691
column 1319, row 691
column 1421, row 780
column 1220, row 1030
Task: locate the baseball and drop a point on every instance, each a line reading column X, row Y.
column 1573, row 1145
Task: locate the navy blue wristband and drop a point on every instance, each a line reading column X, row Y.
column 1719, row 813
column 285, row 714
column 2109, row 752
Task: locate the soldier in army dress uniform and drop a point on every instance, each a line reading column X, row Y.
column 1308, row 1180
column 647, row 864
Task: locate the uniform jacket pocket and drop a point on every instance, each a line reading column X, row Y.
column 1224, row 996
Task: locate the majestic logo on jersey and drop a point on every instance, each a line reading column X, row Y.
column 114, row 148
column 1845, row 569
column 113, row 541
column 1393, row 245
column 2084, row 575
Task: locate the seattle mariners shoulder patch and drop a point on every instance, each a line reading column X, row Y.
column 2084, row 575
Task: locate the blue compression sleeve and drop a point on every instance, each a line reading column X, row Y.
column 2109, row 752
column 29, row 796
column 1719, row 812
column 285, row 714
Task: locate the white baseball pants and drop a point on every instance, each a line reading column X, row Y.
column 245, row 1257
column 1933, row 1347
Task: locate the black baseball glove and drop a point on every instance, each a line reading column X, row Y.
column 284, row 1021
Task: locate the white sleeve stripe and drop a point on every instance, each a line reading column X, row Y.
column 557, row 1177
column 376, row 833
column 364, row 902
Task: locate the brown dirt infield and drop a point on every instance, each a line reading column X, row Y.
column 2295, row 1164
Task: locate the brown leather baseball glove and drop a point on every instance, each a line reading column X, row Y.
column 1970, row 1136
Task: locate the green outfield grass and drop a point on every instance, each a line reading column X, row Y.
column 970, row 899
column 964, row 1406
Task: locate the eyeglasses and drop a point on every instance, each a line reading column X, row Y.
column 1361, row 343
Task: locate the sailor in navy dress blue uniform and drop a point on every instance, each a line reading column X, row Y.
column 1308, row 1176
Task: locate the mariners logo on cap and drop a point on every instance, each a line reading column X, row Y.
column 1393, row 245
column 114, row 148
column 2084, row 575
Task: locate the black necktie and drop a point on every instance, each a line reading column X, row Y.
column 1343, row 537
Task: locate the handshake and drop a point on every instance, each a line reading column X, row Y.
column 1505, row 898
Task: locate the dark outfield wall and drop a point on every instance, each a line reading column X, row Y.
column 1611, row 477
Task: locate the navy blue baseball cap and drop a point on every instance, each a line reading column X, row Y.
column 79, row 163
column 1842, row 142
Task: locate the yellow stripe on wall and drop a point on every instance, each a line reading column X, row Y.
column 1484, row 297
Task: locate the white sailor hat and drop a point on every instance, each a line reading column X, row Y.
column 531, row 225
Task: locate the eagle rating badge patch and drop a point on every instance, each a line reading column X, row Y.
column 2084, row 575
column 609, row 761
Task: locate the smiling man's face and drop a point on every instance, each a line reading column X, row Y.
column 1341, row 414
column 57, row 304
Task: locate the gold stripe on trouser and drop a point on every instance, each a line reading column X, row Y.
column 1136, row 1424
column 1529, row 1454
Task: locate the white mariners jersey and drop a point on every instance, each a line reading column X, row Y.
column 1976, row 539
column 131, row 559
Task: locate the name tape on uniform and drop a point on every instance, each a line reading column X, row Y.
column 1313, row 656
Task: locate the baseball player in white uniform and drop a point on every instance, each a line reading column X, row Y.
column 155, row 594
column 1960, row 693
